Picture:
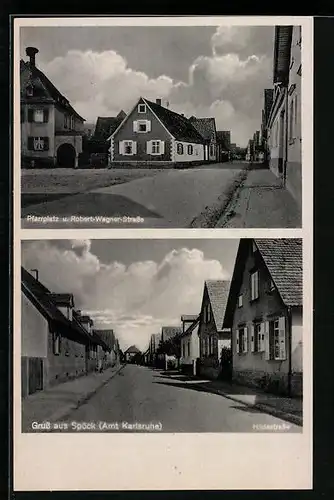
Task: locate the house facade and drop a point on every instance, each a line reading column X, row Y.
column 51, row 129
column 189, row 344
column 154, row 135
column 153, row 347
column 284, row 123
column 55, row 345
column 223, row 145
column 213, row 337
column 207, row 128
column 264, row 310
column 131, row 353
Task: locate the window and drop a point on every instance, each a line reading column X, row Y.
column 127, row 147
column 207, row 313
column 257, row 337
column 274, row 343
column 66, row 121
column 291, row 121
column 142, row 108
column 179, row 148
column 30, row 90
column 22, row 118
column 240, row 300
column 142, row 126
column 38, row 115
column 242, row 340
column 190, row 149
column 255, row 285
column 189, row 349
column 155, row 147
column 56, row 344
column 38, row 143
column 212, row 149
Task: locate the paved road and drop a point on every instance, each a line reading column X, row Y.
column 143, row 395
column 173, row 198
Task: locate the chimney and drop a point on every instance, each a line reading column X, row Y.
column 158, row 101
column 36, row 273
column 31, row 53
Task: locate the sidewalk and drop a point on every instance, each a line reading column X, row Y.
column 290, row 409
column 261, row 201
column 57, row 402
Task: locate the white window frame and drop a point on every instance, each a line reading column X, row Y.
column 56, row 344
column 139, row 108
column 156, row 145
column 139, row 123
column 254, row 277
column 127, row 143
column 40, row 113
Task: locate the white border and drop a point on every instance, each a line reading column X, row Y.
column 169, row 461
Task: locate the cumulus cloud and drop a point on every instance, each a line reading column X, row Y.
column 228, row 84
column 136, row 300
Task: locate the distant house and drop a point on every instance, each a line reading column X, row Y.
column 223, row 145
column 207, row 128
column 189, row 344
column 213, row 337
column 155, row 135
column 55, row 345
column 51, row 129
column 131, row 353
column 268, row 101
column 106, row 125
column 264, row 310
column 112, row 357
column 153, row 347
column 284, row 122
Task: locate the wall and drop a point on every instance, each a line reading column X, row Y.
column 194, row 347
column 157, row 132
column 276, row 134
column 34, row 330
column 38, row 130
column 198, row 152
column 68, row 364
column 75, row 140
column 297, row 351
column 60, row 122
column 294, row 163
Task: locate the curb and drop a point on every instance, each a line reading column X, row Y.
column 289, row 417
column 65, row 412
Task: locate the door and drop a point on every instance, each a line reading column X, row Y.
column 281, row 143
column 66, row 156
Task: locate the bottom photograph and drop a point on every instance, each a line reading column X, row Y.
column 162, row 335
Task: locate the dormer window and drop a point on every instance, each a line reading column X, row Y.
column 30, row 90
column 142, row 108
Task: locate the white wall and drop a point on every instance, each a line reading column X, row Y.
column 194, row 347
column 198, row 152
column 297, row 342
column 34, row 330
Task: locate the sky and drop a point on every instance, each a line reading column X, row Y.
column 133, row 286
column 218, row 71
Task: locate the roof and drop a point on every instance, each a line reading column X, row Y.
column 189, row 317
column 268, row 102
column 191, row 327
column 86, row 319
column 168, row 332
column 133, row 350
column 63, row 298
column 106, row 125
column 218, row 291
column 59, row 98
column 179, row 126
column 282, row 52
column 224, row 137
column 283, row 258
column 107, row 336
column 206, row 127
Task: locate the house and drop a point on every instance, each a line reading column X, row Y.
column 213, row 337
column 169, row 350
column 154, row 135
column 223, row 145
column 189, row 344
column 153, row 347
column 264, row 310
column 284, row 123
column 55, row 345
column 112, row 356
column 131, row 354
column 268, row 101
column 51, row 129
column 207, row 128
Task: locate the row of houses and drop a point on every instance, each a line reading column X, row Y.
column 58, row 342
column 248, row 329
column 53, row 133
column 279, row 142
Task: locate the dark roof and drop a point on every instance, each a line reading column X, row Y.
column 86, row 319
column 191, row 327
column 59, row 98
column 106, row 125
column 218, row 291
column 168, row 332
column 268, row 102
column 108, row 337
column 282, row 52
column 133, row 350
column 179, row 126
column 283, row 258
column 206, row 127
column 224, row 138
column 63, row 298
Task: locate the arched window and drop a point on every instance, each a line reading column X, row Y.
column 190, row 149
column 179, row 148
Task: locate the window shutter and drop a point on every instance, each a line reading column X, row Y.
column 45, row 115
column 30, row 115
column 46, row 143
column 121, row 147
column 134, row 147
column 237, row 340
column 148, row 125
column 245, row 339
column 261, row 339
column 162, row 147
column 149, row 147
column 135, row 126
column 252, row 338
column 30, row 143
column 282, row 343
column 266, row 340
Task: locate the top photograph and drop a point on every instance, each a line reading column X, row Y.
column 160, row 126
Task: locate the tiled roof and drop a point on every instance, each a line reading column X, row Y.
column 106, row 125
column 282, row 51
column 206, row 127
column 283, row 258
column 37, row 74
column 179, row 126
column 168, row 332
column 133, row 350
column 218, row 291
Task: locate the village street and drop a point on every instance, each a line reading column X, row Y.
column 142, row 395
column 172, row 198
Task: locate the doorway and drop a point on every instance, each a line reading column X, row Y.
column 66, row 156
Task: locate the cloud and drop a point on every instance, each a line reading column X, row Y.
column 136, row 300
column 227, row 84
